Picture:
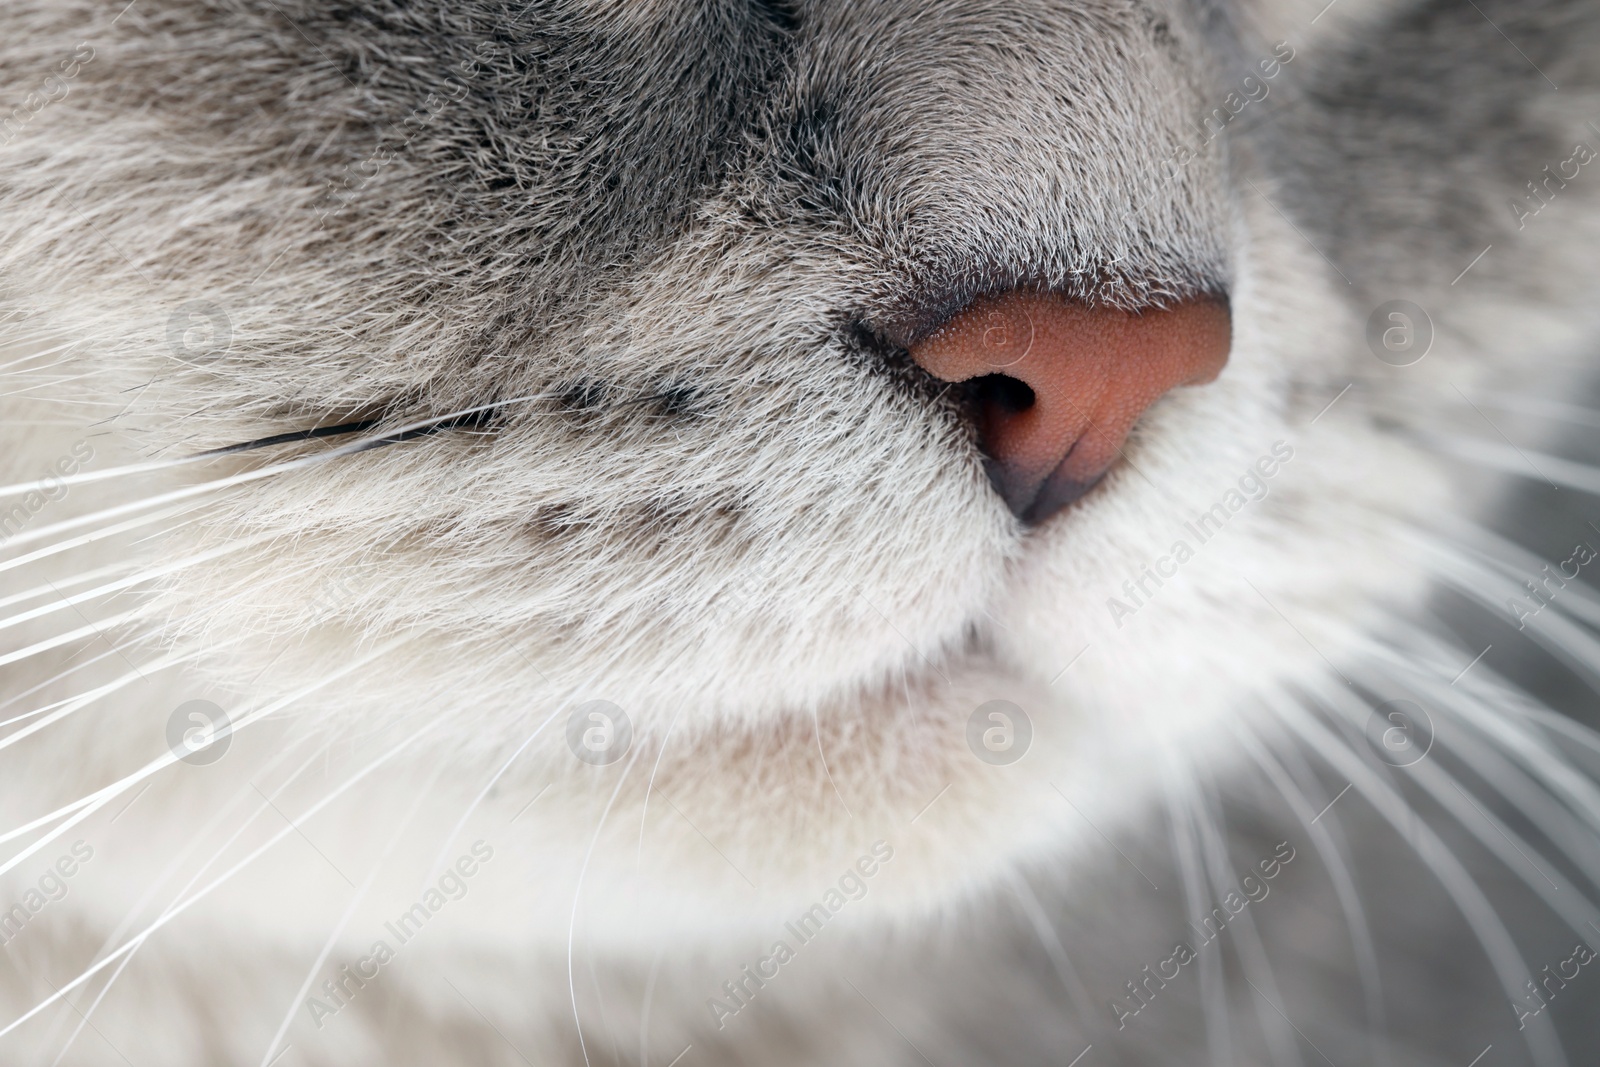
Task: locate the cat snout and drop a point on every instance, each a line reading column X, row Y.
column 1055, row 385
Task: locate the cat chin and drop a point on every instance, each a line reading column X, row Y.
column 716, row 831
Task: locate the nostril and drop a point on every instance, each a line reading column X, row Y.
column 995, row 396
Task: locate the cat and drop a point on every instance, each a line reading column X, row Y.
column 519, row 547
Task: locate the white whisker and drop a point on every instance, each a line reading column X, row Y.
column 246, row 477
column 75, row 704
column 194, row 841
column 444, row 849
column 1181, row 800
column 178, row 909
column 1551, row 628
column 76, row 666
column 156, row 465
column 54, row 588
column 1523, row 462
column 1523, row 768
column 66, row 602
column 6, row 368
column 86, row 806
column 100, row 475
column 344, row 919
column 1344, row 886
column 1453, row 877
column 93, row 629
column 1248, row 947
column 1044, row 930
column 577, row 895
column 90, row 538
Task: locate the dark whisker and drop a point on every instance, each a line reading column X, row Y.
column 473, row 419
column 476, row 419
column 293, row 435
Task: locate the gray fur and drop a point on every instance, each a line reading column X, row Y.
column 668, row 256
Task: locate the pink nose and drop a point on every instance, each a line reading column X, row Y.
column 1058, row 384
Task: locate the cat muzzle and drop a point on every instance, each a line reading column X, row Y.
column 1056, row 385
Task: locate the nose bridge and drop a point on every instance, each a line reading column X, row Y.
column 1019, row 143
column 1091, row 372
